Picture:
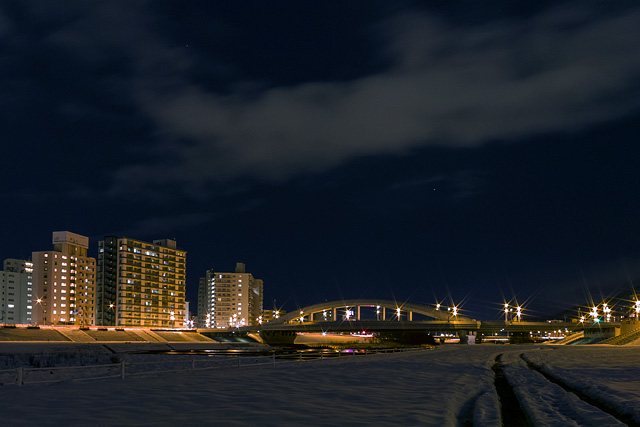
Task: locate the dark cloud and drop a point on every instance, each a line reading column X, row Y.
column 158, row 225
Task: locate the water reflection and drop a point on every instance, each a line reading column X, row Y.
column 280, row 353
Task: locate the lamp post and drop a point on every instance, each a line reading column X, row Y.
column 111, row 308
column 607, row 311
column 42, row 311
column 454, row 312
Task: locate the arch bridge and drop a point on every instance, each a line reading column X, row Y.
column 387, row 316
column 368, row 309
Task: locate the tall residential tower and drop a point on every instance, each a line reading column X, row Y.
column 140, row 283
column 229, row 299
column 64, row 281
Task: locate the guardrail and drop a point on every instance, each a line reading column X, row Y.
column 30, row 375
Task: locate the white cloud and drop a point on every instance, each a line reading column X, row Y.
column 457, row 86
column 452, row 86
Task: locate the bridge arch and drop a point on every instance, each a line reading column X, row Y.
column 386, row 309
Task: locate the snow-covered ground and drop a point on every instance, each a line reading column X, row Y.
column 608, row 374
column 449, row 386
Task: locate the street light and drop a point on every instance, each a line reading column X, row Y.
column 607, row 311
column 44, row 318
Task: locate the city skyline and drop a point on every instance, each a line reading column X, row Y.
column 411, row 151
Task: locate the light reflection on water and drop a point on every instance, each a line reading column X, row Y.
column 279, row 353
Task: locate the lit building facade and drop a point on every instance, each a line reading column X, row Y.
column 204, row 303
column 16, row 292
column 228, row 300
column 140, row 283
column 64, row 282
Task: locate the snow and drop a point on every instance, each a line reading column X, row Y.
column 425, row 387
column 609, row 374
column 548, row 404
column 451, row 385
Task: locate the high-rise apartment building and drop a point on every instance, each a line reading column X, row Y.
column 229, row 299
column 140, row 283
column 204, row 302
column 64, row 282
column 16, row 292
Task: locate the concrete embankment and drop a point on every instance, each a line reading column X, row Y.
column 112, row 340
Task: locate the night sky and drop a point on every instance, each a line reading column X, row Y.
column 412, row 150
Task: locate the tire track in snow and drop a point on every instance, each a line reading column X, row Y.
column 623, row 418
column 512, row 413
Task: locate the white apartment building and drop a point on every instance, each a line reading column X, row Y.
column 16, row 292
column 227, row 300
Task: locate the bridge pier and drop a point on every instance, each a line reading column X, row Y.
column 278, row 337
column 464, row 339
